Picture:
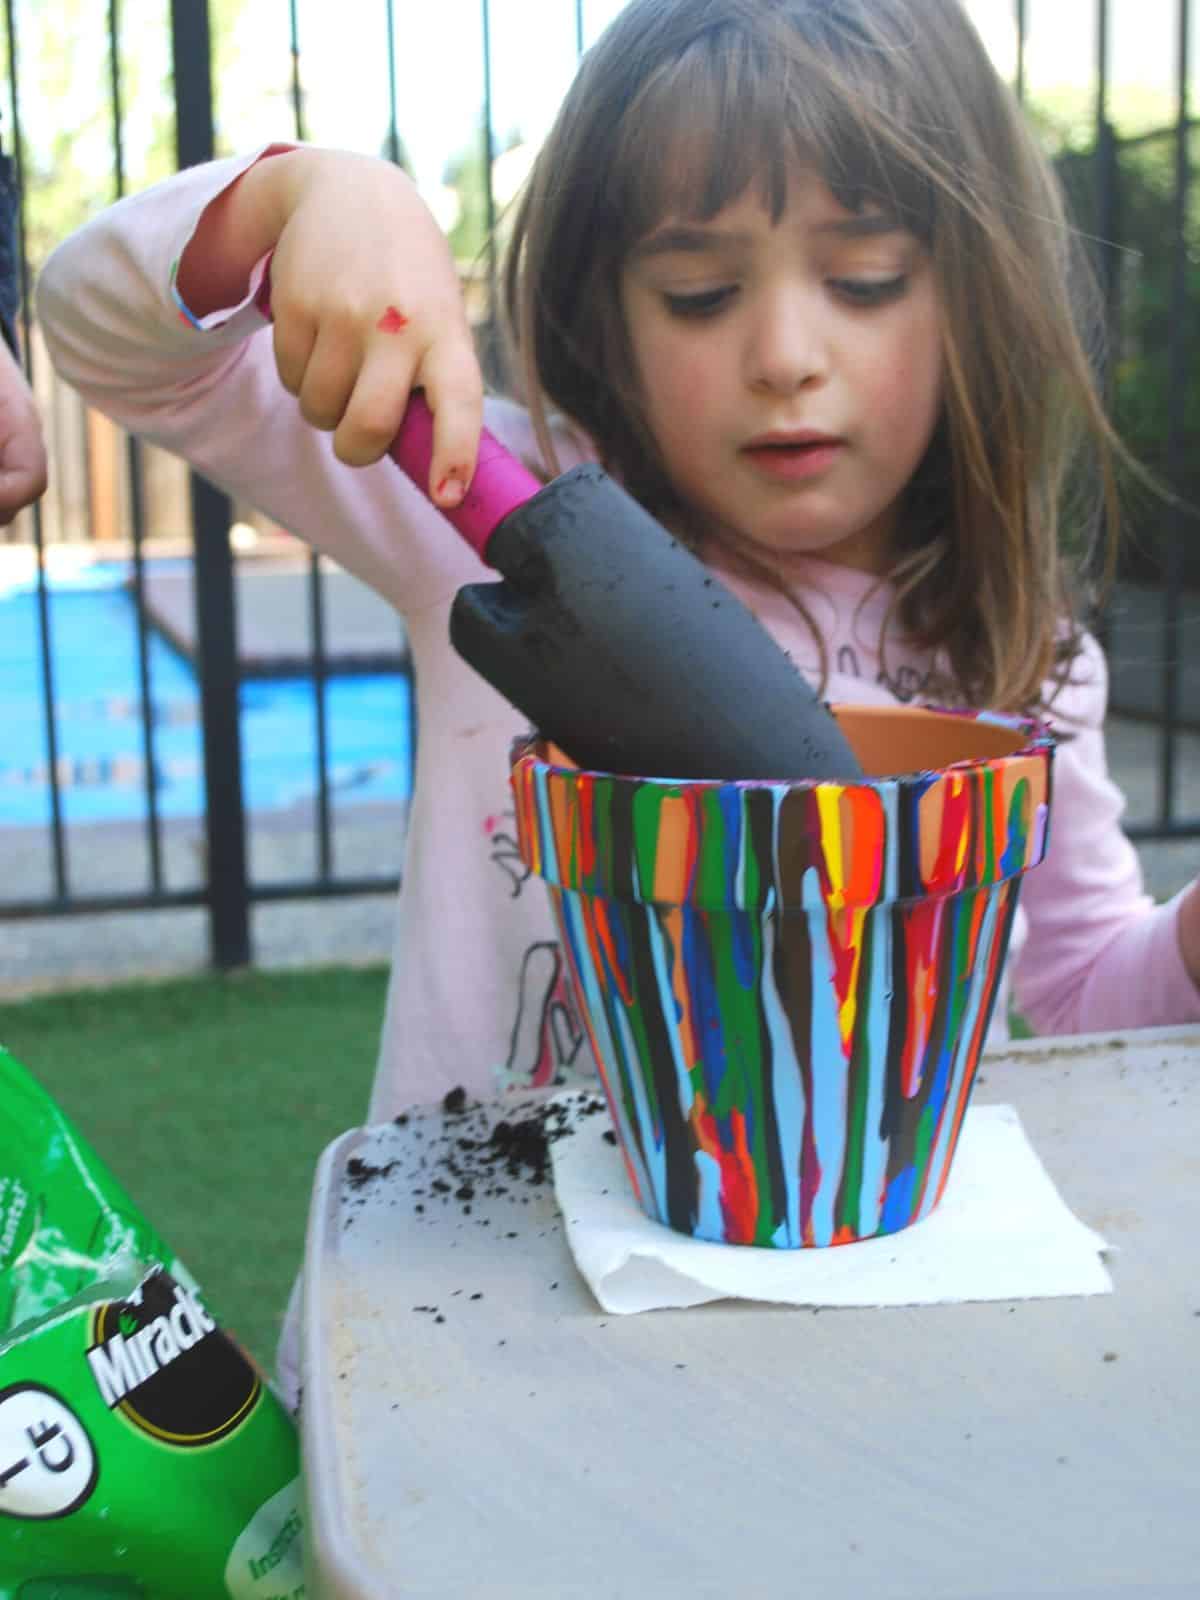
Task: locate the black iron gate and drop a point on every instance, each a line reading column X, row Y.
column 1100, row 174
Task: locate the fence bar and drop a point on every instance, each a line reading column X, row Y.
column 1157, row 832
column 316, row 594
column 45, row 653
column 1106, row 174
column 189, row 899
column 1107, row 209
column 224, row 810
column 225, row 820
column 101, row 904
column 137, row 505
column 1177, row 387
column 297, row 92
column 226, row 894
column 488, row 155
column 1022, row 21
column 393, row 133
column 137, row 514
column 292, row 889
column 320, row 680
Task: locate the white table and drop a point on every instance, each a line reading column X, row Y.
column 530, row 1444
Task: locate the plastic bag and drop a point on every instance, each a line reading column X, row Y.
column 142, row 1455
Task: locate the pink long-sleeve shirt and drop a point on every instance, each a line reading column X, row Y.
column 478, row 994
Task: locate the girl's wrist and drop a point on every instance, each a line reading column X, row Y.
column 1188, row 929
column 235, row 230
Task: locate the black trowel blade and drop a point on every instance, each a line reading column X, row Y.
column 622, row 647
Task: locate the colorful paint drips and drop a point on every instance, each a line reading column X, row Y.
column 788, row 985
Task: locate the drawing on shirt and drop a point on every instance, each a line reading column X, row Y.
column 906, row 684
column 547, row 1033
column 506, row 852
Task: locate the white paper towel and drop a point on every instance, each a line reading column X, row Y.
column 1001, row 1232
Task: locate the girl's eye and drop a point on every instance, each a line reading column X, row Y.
column 870, row 291
column 705, row 304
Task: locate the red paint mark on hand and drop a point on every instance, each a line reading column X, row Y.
column 392, row 321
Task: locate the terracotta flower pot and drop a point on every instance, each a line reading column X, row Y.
column 787, row 985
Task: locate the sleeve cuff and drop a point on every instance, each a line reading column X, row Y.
column 249, row 313
column 254, row 299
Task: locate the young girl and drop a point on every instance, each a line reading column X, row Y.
column 796, row 273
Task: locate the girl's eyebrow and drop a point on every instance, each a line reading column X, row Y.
column 701, row 240
column 870, row 225
column 690, row 241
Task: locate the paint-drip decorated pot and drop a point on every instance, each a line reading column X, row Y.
column 787, row 985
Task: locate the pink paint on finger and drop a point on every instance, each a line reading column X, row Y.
column 392, row 321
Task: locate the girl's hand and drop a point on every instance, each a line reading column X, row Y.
column 22, row 450
column 365, row 299
column 1189, row 931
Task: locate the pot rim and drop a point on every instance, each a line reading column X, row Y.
column 531, row 748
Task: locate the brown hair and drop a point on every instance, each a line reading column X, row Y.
column 684, row 104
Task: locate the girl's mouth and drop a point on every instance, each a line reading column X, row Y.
column 793, row 459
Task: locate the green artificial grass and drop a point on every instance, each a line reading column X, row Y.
column 210, row 1099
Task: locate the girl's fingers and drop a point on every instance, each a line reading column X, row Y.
column 294, row 336
column 453, row 384
column 330, row 375
column 352, row 375
column 376, row 408
column 22, row 469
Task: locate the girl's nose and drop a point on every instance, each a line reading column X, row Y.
column 788, row 347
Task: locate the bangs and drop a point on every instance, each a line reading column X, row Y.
column 729, row 115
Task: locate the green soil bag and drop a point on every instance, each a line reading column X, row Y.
column 142, row 1455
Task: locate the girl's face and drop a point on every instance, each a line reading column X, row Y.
column 791, row 372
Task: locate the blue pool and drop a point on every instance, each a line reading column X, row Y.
column 93, row 630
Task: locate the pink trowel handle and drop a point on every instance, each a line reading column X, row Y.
column 501, row 483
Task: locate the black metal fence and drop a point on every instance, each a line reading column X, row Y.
column 1134, row 192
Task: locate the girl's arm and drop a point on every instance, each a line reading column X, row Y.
column 1100, row 954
